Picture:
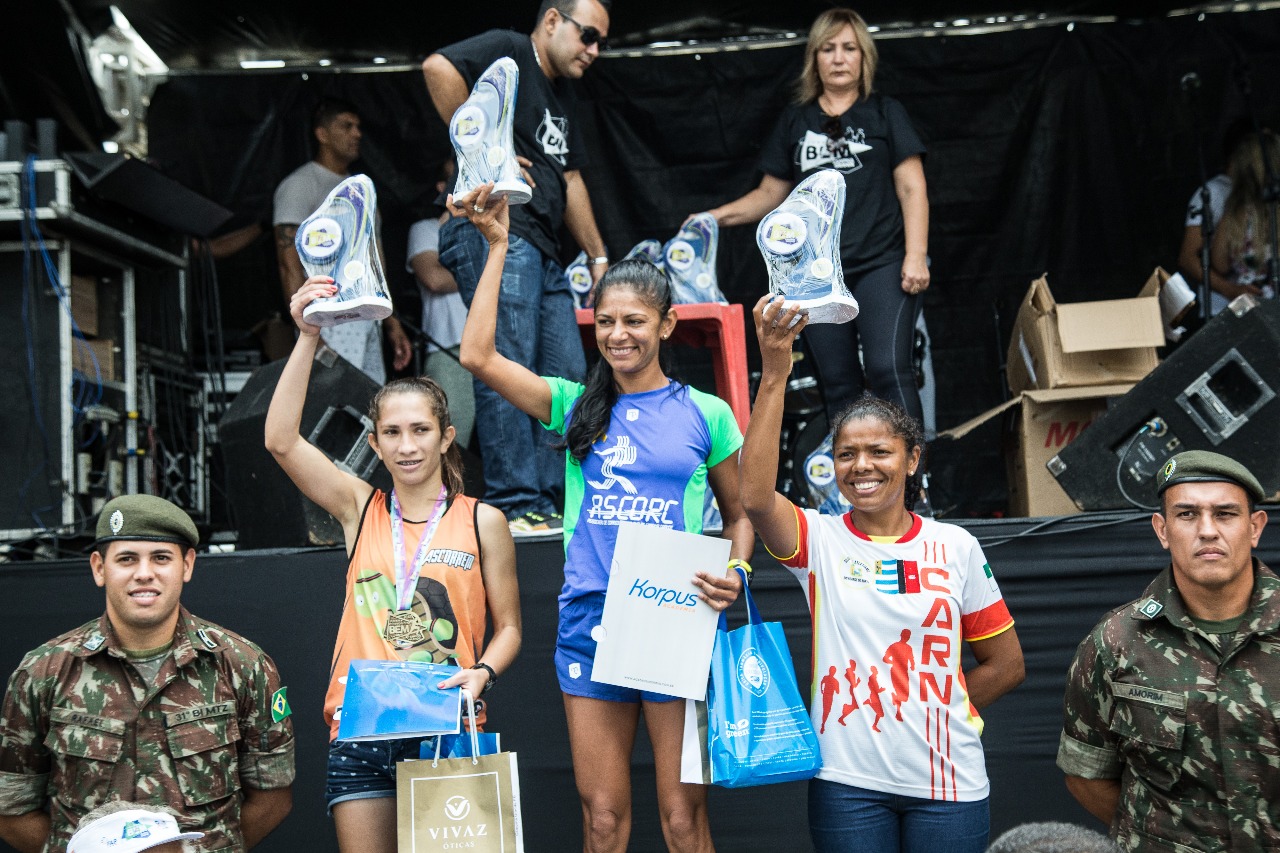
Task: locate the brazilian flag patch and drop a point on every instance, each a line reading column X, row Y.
column 280, row 705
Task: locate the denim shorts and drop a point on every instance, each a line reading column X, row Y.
column 365, row 770
column 576, row 651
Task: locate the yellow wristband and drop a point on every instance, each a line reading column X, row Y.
column 735, row 563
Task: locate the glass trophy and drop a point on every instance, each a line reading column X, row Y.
column 481, row 132
column 800, row 241
column 690, row 261
column 650, row 250
column 338, row 241
column 580, row 282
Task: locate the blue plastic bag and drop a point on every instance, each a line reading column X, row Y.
column 459, row 746
column 758, row 728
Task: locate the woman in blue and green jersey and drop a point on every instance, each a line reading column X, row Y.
column 642, row 448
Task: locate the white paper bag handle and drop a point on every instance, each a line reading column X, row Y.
column 475, row 738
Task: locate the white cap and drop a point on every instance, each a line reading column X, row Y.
column 128, row 832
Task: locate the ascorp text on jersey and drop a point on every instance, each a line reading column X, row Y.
column 446, row 621
column 889, row 698
column 650, row 468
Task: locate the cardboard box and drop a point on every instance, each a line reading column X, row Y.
column 104, row 349
column 84, row 303
column 1047, row 421
column 1086, row 343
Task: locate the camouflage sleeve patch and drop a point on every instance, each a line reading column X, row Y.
column 266, row 758
column 1088, row 762
column 21, row 792
column 268, row 770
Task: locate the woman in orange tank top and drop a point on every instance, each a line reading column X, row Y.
column 417, row 586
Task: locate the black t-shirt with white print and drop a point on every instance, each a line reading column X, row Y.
column 876, row 136
column 545, row 130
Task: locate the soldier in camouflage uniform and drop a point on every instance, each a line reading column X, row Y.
column 1171, row 733
column 146, row 703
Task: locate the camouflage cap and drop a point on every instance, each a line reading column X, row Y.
column 147, row 518
column 1204, row 466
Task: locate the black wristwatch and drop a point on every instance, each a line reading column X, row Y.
column 493, row 676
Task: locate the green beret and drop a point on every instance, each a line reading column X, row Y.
column 1205, row 466
column 146, row 518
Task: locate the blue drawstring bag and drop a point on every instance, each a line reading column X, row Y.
column 758, row 728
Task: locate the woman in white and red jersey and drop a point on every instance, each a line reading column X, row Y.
column 895, row 593
column 428, row 565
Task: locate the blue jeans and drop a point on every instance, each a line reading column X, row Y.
column 537, row 329
column 845, row 819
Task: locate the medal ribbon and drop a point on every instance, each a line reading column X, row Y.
column 407, row 582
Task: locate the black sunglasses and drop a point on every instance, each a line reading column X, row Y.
column 589, row 35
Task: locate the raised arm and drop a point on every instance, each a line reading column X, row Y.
column 580, row 219
column 514, row 382
column 445, row 85
column 502, row 595
column 754, row 205
column 340, row 494
column 771, row 514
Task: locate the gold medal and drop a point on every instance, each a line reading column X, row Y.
column 403, row 629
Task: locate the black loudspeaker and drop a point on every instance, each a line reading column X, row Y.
column 1217, row 392
column 142, row 188
column 268, row 509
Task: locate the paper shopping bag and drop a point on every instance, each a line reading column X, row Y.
column 449, row 804
column 695, row 761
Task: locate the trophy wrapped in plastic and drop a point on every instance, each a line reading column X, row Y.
column 800, row 241
column 690, row 261
column 481, row 132
column 338, row 241
column 650, row 250
column 580, row 282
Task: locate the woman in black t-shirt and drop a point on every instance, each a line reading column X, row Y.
column 837, row 123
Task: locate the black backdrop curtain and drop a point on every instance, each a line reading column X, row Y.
column 1066, row 149
column 1058, row 579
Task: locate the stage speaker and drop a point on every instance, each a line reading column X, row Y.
column 268, row 509
column 1218, row 392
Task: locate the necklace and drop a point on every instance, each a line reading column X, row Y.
column 536, row 57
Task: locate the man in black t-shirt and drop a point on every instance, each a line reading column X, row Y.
column 536, row 325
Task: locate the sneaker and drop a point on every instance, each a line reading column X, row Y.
column 535, row 524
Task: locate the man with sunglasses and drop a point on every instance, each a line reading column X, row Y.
column 538, row 330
